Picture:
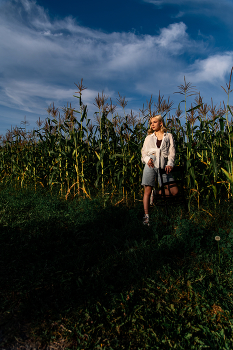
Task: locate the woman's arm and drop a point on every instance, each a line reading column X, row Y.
column 171, row 152
column 145, row 158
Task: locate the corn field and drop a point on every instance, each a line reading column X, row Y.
column 68, row 153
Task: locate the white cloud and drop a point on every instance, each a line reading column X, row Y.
column 209, row 8
column 28, row 96
column 173, row 37
column 21, row 92
column 212, row 69
column 184, row 2
column 42, row 58
column 34, row 62
column 179, row 14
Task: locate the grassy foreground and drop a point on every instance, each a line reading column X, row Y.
column 79, row 275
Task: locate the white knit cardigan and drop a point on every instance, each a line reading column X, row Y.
column 165, row 155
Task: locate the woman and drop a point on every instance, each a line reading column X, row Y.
column 158, row 151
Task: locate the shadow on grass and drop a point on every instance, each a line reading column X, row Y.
column 58, row 257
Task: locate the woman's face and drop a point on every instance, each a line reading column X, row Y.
column 155, row 124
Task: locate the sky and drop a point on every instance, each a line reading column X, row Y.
column 132, row 47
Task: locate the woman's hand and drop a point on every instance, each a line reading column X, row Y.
column 150, row 163
column 168, row 169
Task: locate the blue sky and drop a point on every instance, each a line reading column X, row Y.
column 135, row 47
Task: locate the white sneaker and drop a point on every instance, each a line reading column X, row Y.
column 146, row 220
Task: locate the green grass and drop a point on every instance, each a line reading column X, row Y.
column 92, row 276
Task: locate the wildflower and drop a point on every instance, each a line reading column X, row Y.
column 217, row 238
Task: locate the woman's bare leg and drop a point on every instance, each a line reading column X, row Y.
column 146, row 198
column 173, row 189
column 170, row 190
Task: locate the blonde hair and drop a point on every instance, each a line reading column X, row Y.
column 162, row 128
